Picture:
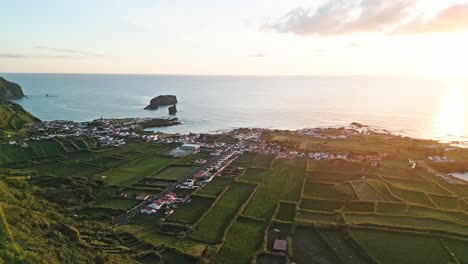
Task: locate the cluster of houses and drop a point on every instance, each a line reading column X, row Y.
column 327, row 156
column 107, row 132
column 165, row 204
column 439, row 159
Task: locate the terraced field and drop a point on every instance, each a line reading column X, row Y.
column 327, row 211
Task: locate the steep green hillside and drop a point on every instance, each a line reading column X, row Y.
column 10, row 90
column 14, row 117
column 34, row 229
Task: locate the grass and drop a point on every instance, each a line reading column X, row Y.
column 404, row 221
column 82, row 155
column 12, row 153
column 413, row 210
column 64, row 169
column 341, row 245
column 189, row 213
column 272, row 183
column 135, row 171
column 243, row 240
column 320, row 205
column 173, row 173
column 210, row 190
column 286, row 212
column 458, row 248
column 212, row 226
column 145, row 220
column 51, row 147
column 295, row 183
column 447, row 202
column 117, row 203
column 308, row 247
column 411, row 196
column 331, row 176
column 263, row 161
column 317, row 216
column 394, row 247
column 271, row 259
column 334, row 166
column 187, row 246
column 419, row 186
column 367, row 193
column 327, row 191
column 263, row 203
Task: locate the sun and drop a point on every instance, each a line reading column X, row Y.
column 451, row 116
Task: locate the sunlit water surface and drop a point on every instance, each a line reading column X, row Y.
column 417, row 107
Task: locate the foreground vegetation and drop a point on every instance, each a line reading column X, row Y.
column 58, row 198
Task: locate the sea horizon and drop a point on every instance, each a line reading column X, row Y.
column 214, row 103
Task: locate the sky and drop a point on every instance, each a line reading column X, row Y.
column 242, row 37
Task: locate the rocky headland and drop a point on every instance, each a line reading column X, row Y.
column 10, row 90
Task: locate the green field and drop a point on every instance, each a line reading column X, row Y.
column 394, row 247
column 330, row 211
column 173, row 172
column 293, row 189
column 212, row 226
column 308, row 247
column 286, row 212
column 242, row 241
column 263, row 161
column 272, row 183
column 210, row 190
column 117, row 203
column 189, row 213
column 133, row 172
column 343, row 246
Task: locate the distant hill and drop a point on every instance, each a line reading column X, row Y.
column 10, row 90
column 14, row 117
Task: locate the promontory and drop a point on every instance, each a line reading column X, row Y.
column 10, row 90
column 161, row 100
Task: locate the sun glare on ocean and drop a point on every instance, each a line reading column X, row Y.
column 450, row 120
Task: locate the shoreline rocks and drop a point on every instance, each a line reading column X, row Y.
column 172, row 110
column 161, row 100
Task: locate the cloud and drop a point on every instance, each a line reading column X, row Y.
column 451, row 19
column 258, row 55
column 37, row 56
column 10, row 55
column 52, row 53
column 339, row 17
column 70, row 51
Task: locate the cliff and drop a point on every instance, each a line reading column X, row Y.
column 162, row 100
column 10, row 90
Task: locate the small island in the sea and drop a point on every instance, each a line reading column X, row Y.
column 161, row 100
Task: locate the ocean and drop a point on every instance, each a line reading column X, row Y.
column 411, row 106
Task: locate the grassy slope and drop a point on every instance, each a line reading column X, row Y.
column 14, row 117
column 32, row 230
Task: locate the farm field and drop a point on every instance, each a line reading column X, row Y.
column 243, row 240
column 191, row 212
column 173, row 172
column 212, row 226
column 117, row 203
column 327, row 211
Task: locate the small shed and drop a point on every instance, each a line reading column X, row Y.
column 280, row 245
